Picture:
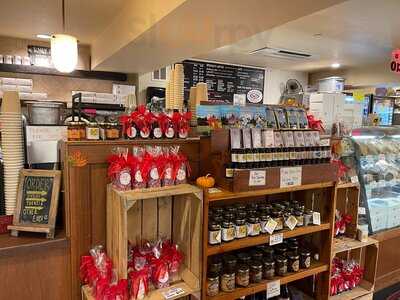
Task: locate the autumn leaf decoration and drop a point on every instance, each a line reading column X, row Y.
column 77, row 159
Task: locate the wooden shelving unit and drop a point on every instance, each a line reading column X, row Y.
column 315, row 268
column 323, row 235
column 363, row 289
column 343, row 244
column 263, row 239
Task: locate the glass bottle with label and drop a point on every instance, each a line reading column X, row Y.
column 256, row 157
column 249, row 158
column 241, row 157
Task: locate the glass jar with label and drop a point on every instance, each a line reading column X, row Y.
column 281, row 265
column 228, row 231
column 269, row 253
column 281, row 249
column 241, row 157
column 229, row 169
column 268, row 268
column 253, row 226
column 308, row 218
column 293, row 262
column 299, row 217
column 212, row 284
column 92, row 131
column 277, row 216
column 249, row 158
column 257, row 255
column 257, row 158
column 234, row 155
column 240, row 228
column 112, row 131
column 74, row 131
column 214, row 233
column 242, row 275
column 263, row 223
column 305, row 259
column 228, row 275
column 256, row 271
column 244, row 258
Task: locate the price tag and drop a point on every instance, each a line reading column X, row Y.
column 270, row 226
column 316, row 218
column 291, row 222
column 290, row 176
column 276, row 239
column 273, row 289
column 257, row 178
column 173, row 293
column 361, row 210
column 354, row 179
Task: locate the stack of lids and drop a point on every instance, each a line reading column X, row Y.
column 12, row 147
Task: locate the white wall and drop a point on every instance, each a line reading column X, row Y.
column 274, row 78
column 272, row 90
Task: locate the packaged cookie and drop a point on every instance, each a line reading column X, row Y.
column 270, row 118
column 281, row 119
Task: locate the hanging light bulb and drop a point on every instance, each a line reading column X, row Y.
column 64, row 52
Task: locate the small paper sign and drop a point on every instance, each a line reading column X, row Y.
column 354, row 179
column 257, row 178
column 173, row 293
column 290, row 176
column 273, row 289
column 361, row 210
column 316, row 218
column 291, row 222
column 239, row 99
column 270, row 226
column 276, row 239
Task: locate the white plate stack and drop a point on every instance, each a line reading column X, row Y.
column 12, row 146
column 179, row 78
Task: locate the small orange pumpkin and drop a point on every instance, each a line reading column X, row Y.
column 205, row 181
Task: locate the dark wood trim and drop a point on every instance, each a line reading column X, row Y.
column 113, row 76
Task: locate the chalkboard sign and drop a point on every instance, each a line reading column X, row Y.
column 225, row 82
column 37, row 201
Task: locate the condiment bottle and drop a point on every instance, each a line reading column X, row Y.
column 92, row 131
column 253, row 226
column 228, row 231
column 305, row 259
column 281, row 265
column 243, row 275
column 240, row 228
column 268, row 268
column 214, row 233
column 212, row 284
column 228, row 275
column 256, row 271
column 293, row 262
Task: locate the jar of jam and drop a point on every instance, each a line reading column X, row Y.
column 293, row 247
column 257, row 255
column 293, row 262
column 277, row 216
column 244, row 258
column 215, row 265
column 268, row 268
column 281, row 265
column 228, row 231
column 305, row 259
column 308, row 218
column 76, row 131
column 300, row 218
column 228, row 275
column 286, row 216
column 243, row 275
column 92, row 131
column 263, row 223
column 212, row 284
column 253, row 226
column 214, row 233
column 269, row 253
column 281, row 249
column 240, row 228
column 112, row 131
column 256, row 271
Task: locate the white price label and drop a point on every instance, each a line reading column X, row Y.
column 257, row 178
column 361, row 210
column 291, row 222
column 354, row 179
column 290, row 176
column 276, row 239
column 239, row 99
column 173, row 293
column 270, row 226
column 316, row 218
column 273, row 289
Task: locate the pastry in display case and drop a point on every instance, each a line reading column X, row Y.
column 377, row 153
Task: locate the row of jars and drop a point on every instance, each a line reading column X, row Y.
column 78, row 131
column 227, row 223
column 228, row 271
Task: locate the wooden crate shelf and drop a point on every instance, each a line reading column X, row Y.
column 346, row 244
column 148, row 214
column 227, row 195
column 315, row 268
column 263, row 239
column 365, row 288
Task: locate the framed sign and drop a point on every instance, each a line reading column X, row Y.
column 37, row 202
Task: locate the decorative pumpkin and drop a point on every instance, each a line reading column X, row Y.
column 205, row 181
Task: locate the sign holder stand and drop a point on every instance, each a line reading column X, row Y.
column 49, row 226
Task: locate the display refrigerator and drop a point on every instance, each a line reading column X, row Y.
column 377, row 162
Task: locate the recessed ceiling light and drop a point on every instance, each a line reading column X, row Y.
column 317, row 35
column 43, row 36
column 335, row 65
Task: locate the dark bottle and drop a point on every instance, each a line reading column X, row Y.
column 263, row 157
column 268, row 157
column 285, row 156
column 241, row 156
column 285, row 294
column 256, row 157
column 229, row 167
column 234, row 155
column 249, row 158
column 328, row 154
column 280, row 157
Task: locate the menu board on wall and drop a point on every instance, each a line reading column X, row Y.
column 225, row 82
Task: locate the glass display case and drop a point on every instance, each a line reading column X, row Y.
column 377, row 162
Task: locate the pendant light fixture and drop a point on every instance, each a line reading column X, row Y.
column 64, row 49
